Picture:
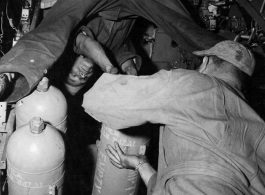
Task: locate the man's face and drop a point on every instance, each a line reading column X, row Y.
column 81, row 71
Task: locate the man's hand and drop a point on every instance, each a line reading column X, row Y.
column 126, row 161
column 4, row 79
column 121, row 160
column 128, row 67
column 131, row 71
column 3, row 84
column 95, row 52
column 111, row 69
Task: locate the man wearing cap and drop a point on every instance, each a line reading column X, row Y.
column 211, row 142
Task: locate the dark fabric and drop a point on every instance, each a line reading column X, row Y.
column 112, row 35
column 36, row 51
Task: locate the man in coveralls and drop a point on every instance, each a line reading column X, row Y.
column 212, row 141
column 36, row 52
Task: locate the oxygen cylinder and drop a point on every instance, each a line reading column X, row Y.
column 109, row 180
column 35, row 160
column 46, row 102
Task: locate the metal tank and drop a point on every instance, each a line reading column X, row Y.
column 46, row 102
column 35, row 160
column 109, row 180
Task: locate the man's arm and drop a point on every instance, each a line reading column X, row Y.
column 122, row 101
column 94, row 51
column 102, row 34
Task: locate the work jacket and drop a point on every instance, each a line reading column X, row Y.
column 211, row 141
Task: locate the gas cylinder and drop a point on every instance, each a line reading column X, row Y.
column 35, row 160
column 108, row 179
column 46, row 102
